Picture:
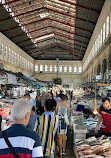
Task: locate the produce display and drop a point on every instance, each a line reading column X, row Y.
column 5, row 112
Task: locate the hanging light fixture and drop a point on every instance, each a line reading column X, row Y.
column 95, row 112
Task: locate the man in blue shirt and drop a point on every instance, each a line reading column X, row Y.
column 27, row 96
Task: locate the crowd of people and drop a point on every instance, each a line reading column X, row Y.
column 39, row 124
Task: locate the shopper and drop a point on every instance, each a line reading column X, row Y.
column 27, row 96
column 39, row 107
column 25, row 142
column 57, row 98
column 63, row 103
column 38, row 101
column 33, row 119
column 105, row 117
column 48, row 128
column 62, row 128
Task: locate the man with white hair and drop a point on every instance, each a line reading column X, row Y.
column 26, row 143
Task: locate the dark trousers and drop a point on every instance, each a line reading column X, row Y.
column 100, row 133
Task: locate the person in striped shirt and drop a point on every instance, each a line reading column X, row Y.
column 26, row 142
column 48, row 127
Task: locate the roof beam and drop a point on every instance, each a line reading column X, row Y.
column 49, row 9
column 80, row 6
column 71, row 51
column 10, row 2
column 56, row 39
column 45, row 51
column 65, row 1
column 80, row 41
column 70, row 43
column 66, row 32
column 68, row 47
column 70, row 15
column 39, row 42
column 54, row 27
column 61, row 48
column 52, row 44
column 26, row 24
column 51, row 33
column 68, row 37
column 66, row 42
column 35, row 37
column 49, row 27
column 28, row 12
column 41, row 20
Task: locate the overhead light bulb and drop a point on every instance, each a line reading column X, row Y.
column 95, row 112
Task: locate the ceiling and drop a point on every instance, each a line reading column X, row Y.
column 50, row 29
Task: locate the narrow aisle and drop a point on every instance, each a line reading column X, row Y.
column 70, row 144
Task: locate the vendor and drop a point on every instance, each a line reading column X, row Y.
column 105, row 117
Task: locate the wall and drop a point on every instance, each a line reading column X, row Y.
column 13, row 57
column 72, row 80
column 99, row 47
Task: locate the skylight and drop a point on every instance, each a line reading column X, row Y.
column 43, row 15
column 43, row 37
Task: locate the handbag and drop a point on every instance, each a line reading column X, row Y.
column 10, row 145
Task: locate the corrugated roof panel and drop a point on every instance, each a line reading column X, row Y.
column 51, row 24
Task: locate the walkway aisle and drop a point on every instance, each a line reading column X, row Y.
column 70, row 144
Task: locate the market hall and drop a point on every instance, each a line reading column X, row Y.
column 55, row 78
